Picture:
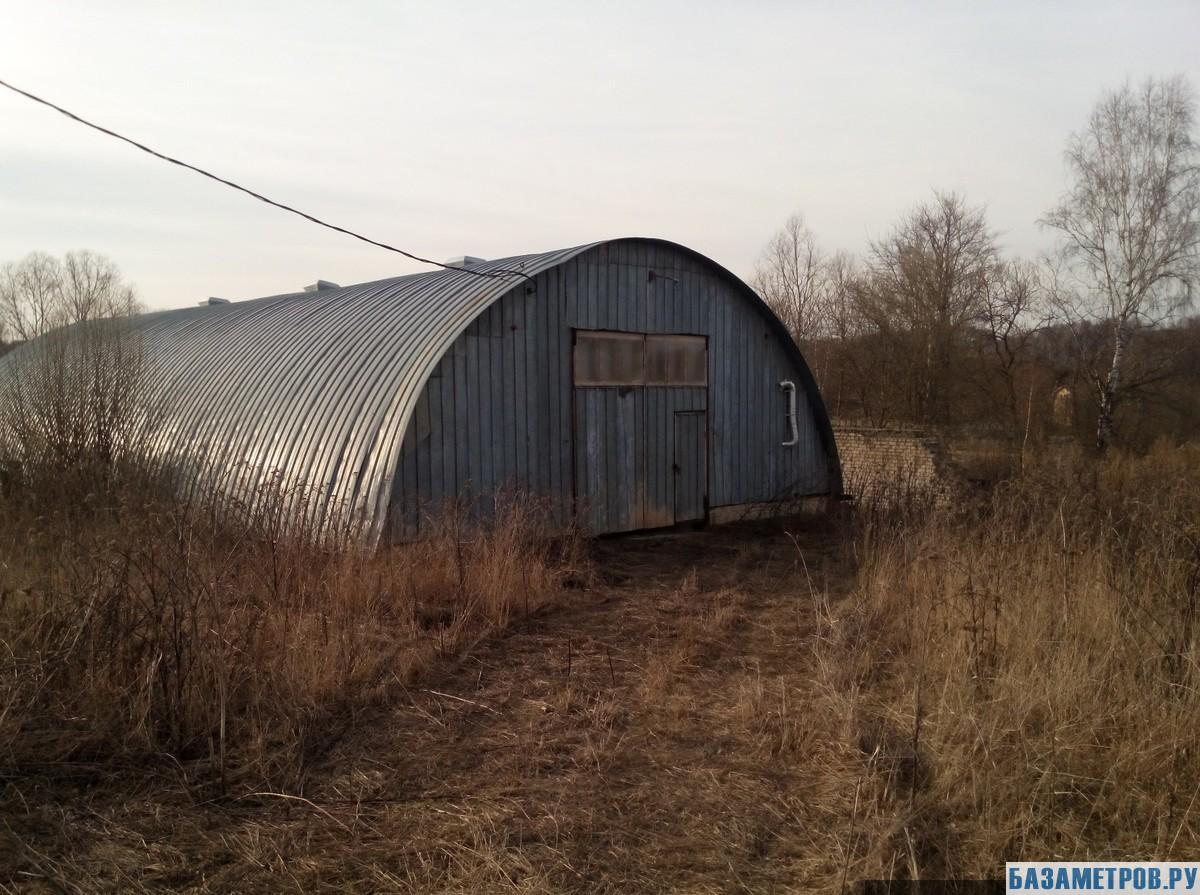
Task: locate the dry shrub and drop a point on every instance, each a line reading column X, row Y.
column 135, row 626
column 1022, row 680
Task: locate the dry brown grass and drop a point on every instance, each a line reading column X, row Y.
column 898, row 695
column 140, row 629
column 1022, row 676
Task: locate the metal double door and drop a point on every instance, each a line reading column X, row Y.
column 641, row 456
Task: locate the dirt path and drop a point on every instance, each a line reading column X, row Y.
column 649, row 733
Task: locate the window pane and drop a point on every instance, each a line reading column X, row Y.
column 605, row 358
column 676, row 360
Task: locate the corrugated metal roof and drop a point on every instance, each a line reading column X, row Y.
column 312, row 392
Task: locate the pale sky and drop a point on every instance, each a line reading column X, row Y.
column 498, row 129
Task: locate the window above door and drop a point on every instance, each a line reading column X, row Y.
column 676, row 360
column 606, row 358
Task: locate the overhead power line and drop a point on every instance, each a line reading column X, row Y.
column 491, row 274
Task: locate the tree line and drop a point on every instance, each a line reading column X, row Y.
column 40, row 293
column 934, row 326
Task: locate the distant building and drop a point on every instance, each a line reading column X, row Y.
column 631, row 383
column 1062, row 407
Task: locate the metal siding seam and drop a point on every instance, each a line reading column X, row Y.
column 580, row 441
column 628, row 452
column 508, row 374
column 658, row 467
column 496, row 408
column 650, row 298
column 641, row 280
column 679, row 299
column 568, row 291
column 635, row 443
column 449, row 446
column 549, row 370
column 537, row 380
column 627, row 297
column 409, row 513
column 521, row 416
column 746, row 380
column 474, row 441
column 594, row 402
column 554, row 382
column 614, row 459
column 434, row 464
column 531, row 328
column 762, row 376
column 486, row 403
column 606, row 479
column 746, row 421
column 590, row 274
column 723, row 399
column 461, row 435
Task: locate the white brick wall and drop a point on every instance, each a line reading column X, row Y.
column 889, row 464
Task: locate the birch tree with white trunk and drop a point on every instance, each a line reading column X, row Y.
column 1130, row 221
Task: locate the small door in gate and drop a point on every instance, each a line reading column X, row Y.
column 690, row 466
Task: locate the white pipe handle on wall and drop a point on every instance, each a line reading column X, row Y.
column 790, row 387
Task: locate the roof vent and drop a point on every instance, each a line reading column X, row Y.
column 464, row 261
column 213, row 300
column 321, row 286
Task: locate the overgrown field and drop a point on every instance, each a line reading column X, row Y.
column 909, row 691
column 1022, row 676
column 137, row 628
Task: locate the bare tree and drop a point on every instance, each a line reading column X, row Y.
column 790, row 278
column 1130, row 221
column 926, row 284
column 30, row 296
column 40, row 293
column 842, row 362
column 75, row 394
column 815, row 295
column 1012, row 316
column 92, row 288
column 841, row 315
column 74, row 397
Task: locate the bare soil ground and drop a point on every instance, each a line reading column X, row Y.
column 649, row 731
